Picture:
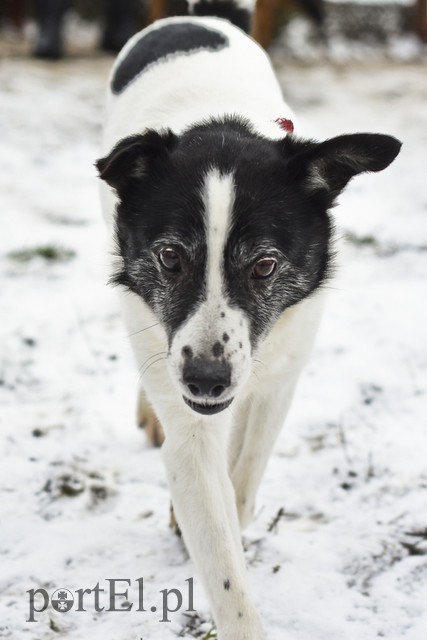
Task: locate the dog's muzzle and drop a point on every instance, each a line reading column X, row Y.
column 206, row 381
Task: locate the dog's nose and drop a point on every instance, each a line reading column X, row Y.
column 207, row 378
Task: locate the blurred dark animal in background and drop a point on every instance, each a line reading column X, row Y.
column 268, row 12
column 16, row 12
column 120, row 25
column 420, row 19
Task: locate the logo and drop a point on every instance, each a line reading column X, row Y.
column 62, row 600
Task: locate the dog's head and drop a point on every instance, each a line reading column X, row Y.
column 220, row 230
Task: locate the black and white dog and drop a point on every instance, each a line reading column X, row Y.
column 224, row 239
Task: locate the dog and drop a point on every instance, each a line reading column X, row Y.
column 219, row 214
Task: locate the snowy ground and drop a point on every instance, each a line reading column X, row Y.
column 339, row 546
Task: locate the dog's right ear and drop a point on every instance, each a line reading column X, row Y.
column 324, row 168
column 133, row 156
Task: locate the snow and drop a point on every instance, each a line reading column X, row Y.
column 338, row 548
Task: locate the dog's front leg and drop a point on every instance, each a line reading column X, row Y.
column 204, row 501
column 266, row 416
column 286, row 351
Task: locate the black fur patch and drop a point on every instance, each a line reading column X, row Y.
column 217, row 350
column 159, row 44
column 187, row 352
column 224, row 9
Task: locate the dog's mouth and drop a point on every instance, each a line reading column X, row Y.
column 207, row 409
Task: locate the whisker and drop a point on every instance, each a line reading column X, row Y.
column 330, row 287
column 151, row 364
column 260, row 362
column 232, row 413
column 160, row 353
column 145, row 329
column 257, row 362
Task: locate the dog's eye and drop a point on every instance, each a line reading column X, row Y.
column 169, row 259
column 264, row 268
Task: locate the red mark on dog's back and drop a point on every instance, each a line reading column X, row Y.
column 285, row 124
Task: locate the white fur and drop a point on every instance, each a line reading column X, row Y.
column 214, row 463
column 207, row 326
column 218, row 200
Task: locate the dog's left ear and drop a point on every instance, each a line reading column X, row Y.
column 132, row 157
column 325, row 168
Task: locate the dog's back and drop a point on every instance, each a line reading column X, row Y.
column 185, row 69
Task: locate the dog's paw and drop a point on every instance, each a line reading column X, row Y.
column 245, row 509
column 251, row 629
column 148, row 420
column 173, row 523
